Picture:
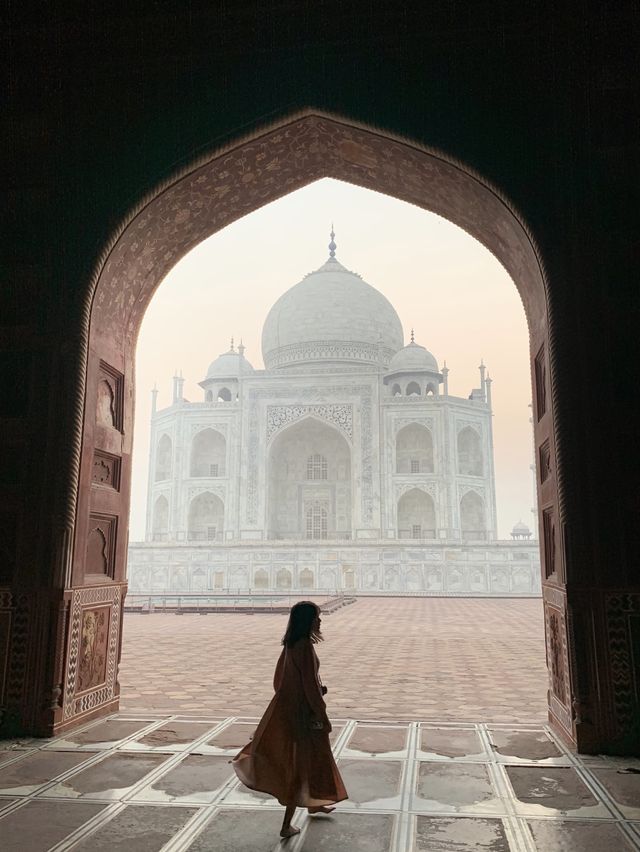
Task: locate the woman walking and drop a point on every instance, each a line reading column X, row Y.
column 290, row 756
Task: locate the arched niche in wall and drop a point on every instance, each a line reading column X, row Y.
column 160, row 523
column 473, row 523
column 206, row 518
column 416, row 515
column 309, row 482
column 414, row 449
column 164, row 458
column 208, row 453
column 470, row 456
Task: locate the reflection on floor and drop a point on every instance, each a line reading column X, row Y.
column 137, row 782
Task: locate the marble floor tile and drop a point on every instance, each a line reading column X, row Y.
column 455, row 787
column 450, row 742
column 544, row 789
column 38, row 768
column 372, row 740
column 138, row 828
column 577, row 836
column 40, row 824
column 234, row 736
column 173, row 734
column 460, row 834
column 353, row 832
column 624, row 788
column 372, row 783
column 236, row 830
column 108, row 779
column 526, row 745
column 197, row 778
column 105, row 733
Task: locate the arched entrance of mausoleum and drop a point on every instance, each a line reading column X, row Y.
column 201, row 200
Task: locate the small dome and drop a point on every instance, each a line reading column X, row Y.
column 229, row 365
column 413, row 359
column 520, row 527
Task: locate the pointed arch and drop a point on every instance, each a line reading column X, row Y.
column 309, row 482
column 208, row 453
column 206, row 518
column 164, row 458
column 470, row 456
column 160, row 523
column 414, row 449
column 416, row 515
column 473, row 522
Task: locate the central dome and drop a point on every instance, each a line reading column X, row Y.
column 331, row 316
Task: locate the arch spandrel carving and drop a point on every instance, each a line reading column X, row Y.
column 339, row 415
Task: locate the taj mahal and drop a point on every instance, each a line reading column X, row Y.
column 344, row 464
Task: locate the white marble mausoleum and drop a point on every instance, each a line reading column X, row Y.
column 344, row 464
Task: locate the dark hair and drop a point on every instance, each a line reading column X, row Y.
column 301, row 620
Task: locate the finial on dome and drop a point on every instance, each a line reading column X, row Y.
column 332, row 244
column 413, row 337
column 232, row 349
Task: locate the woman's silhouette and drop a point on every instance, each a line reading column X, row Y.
column 290, row 756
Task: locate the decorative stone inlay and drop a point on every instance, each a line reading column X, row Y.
column 428, row 487
column 464, row 489
column 219, row 491
column 223, row 428
column 327, row 350
column 257, row 395
column 400, row 422
column 279, row 416
column 96, row 599
column 469, row 424
column 623, row 614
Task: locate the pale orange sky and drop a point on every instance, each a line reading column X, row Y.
column 443, row 283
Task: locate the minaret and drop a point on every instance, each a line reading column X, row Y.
column 241, row 348
column 483, row 386
column 445, row 379
column 486, row 386
column 178, row 385
column 154, row 399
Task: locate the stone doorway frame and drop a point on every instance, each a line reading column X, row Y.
column 202, row 198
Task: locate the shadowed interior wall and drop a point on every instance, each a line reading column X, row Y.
column 542, row 104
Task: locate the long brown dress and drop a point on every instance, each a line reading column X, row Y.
column 287, row 757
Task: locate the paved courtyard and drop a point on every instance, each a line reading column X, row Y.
column 438, row 731
column 148, row 783
column 383, row 658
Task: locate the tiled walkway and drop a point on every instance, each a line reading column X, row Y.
column 145, row 782
column 382, row 658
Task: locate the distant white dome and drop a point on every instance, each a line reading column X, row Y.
column 413, row 359
column 520, row 527
column 229, row 365
column 332, row 315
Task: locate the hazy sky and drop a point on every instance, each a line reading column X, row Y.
column 443, row 283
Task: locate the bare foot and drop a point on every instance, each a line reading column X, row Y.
column 321, row 810
column 289, row 831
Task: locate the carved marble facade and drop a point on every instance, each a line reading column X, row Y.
column 338, row 440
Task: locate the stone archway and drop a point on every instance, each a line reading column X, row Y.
column 202, row 199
